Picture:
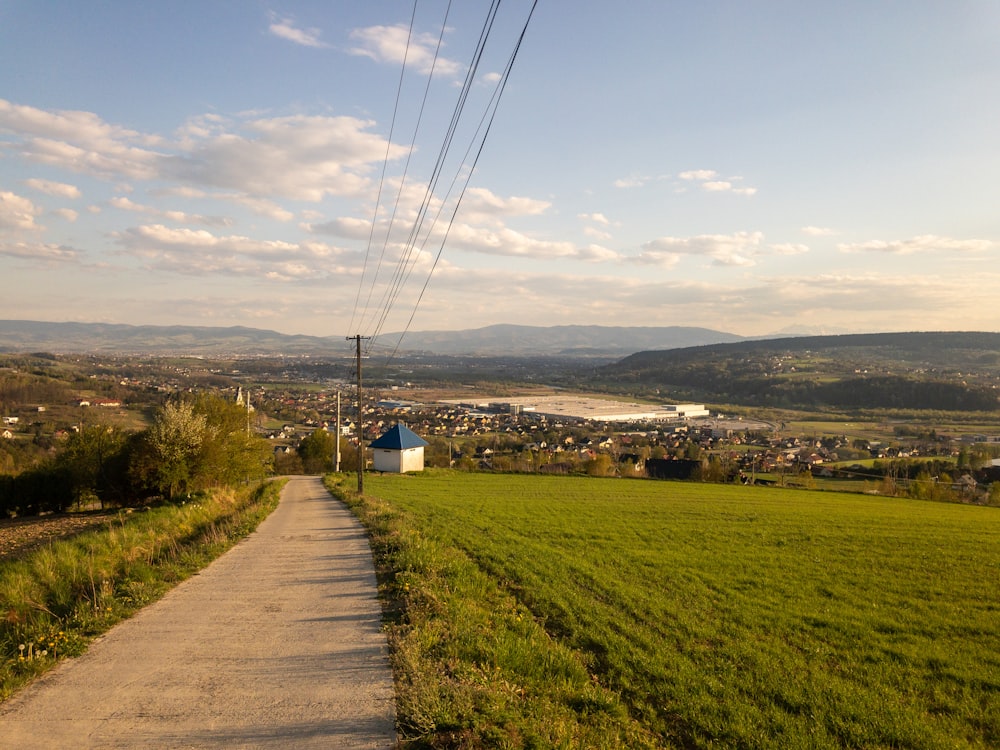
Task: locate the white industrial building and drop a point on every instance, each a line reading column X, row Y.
column 686, row 411
column 568, row 406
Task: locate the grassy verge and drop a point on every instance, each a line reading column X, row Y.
column 708, row 616
column 473, row 667
column 59, row 597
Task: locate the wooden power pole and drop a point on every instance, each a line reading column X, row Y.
column 336, row 439
column 361, row 419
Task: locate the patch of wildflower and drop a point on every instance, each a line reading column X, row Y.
column 51, row 644
column 31, row 651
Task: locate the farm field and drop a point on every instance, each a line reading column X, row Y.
column 730, row 616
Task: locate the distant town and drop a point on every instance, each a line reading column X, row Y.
column 477, row 426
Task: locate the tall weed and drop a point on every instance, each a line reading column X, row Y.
column 67, row 592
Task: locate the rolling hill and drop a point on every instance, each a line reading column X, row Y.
column 498, row 340
column 958, row 371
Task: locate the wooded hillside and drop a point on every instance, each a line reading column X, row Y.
column 952, row 371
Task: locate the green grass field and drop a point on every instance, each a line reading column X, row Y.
column 729, row 616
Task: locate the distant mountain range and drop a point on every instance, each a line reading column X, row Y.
column 66, row 338
column 515, row 340
column 563, row 341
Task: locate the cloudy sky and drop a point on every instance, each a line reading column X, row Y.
column 748, row 167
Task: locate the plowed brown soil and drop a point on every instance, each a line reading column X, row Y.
column 21, row 535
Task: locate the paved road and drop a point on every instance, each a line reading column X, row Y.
column 278, row 643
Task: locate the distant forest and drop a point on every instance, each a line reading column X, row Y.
column 939, row 371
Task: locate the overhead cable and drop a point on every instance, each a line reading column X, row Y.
column 385, row 165
column 492, row 110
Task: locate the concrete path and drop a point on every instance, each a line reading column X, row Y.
column 278, row 643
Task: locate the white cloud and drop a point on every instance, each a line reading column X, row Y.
column 344, row 226
column 181, row 191
column 158, row 235
column 508, row 242
column 189, row 251
column 725, row 186
column 639, row 180
column 68, row 214
column 394, row 44
column 81, row 142
column 285, row 28
column 789, row 248
column 727, row 250
column 59, row 189
column 480, row 204
column 700, row 175
column 126, row 205
column 598, row 253
column 926, row 243
column 818, row 231
column 259, row 206
column 630, row 182
column 597, row 218
column 180, row 217
column 299, row 157
column 36, row 251
column 710, row 182
column 17, row 212
column 597, row 234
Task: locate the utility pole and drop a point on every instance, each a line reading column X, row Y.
column 361, row 419
column 336, row 439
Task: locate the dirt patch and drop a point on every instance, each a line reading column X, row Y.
column 19, row 536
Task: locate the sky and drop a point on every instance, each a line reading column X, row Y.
column 340, row 167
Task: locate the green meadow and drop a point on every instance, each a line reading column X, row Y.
column 667, row 614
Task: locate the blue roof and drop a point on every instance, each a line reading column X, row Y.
column 399, row 438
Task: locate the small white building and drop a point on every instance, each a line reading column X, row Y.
column 399, row 450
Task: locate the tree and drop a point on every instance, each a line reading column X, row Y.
column 95, row 461
column 195, row 444
column 174, row 443
column 316, row 452
column 287, row 463
column 600, row 465
column 230, row 453
column 994, row 496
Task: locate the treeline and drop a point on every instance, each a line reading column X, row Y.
column 193, row 444
column 315, row 455
column 881, row 392
column 725, row 383
column 31, row 388
column 918, row 371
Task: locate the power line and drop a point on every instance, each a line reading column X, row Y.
column 420, row 232
column 495, row 102
column 385, row 166
column 406, row 166
column 406, row 257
